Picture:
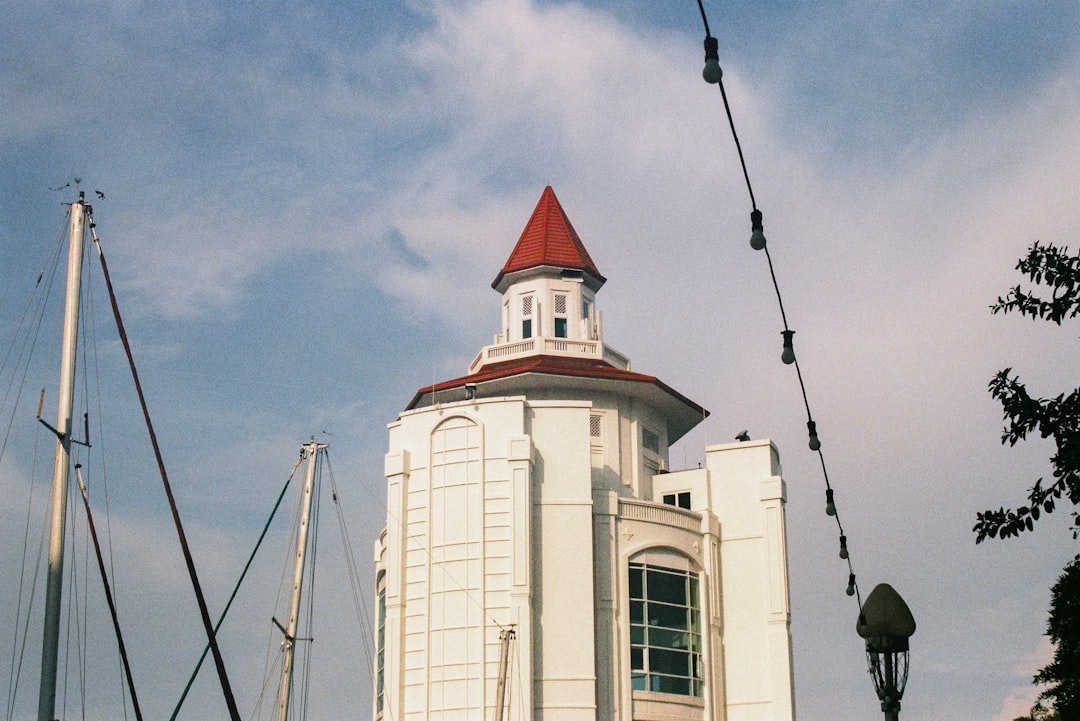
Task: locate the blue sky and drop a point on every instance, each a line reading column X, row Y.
column 305, row 209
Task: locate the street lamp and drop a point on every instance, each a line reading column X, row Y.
column 886, row 623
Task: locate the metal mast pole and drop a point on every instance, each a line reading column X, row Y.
column 506, row 637
column 61, row 467
column 289, row 644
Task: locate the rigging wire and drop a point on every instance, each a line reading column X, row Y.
column 29, row 328
column 109, row 574
column 236, row 588
column 204, row 612
column 35, row 306
column 19, row 646
column 108, row 595
column 714, row 74
column 354, row 575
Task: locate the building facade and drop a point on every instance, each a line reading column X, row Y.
column 534, row 494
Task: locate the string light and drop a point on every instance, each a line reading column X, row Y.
column 757, row 230
column 713, row 74
column 814, row 442
column 712, row 71
column 788, row 356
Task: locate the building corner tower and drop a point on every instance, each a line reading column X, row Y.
column 534, row 493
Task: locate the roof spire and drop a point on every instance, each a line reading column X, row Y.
column 549, row 240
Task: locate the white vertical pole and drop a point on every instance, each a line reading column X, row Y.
column 505, row 639
column 61, row 463
column 312, row 450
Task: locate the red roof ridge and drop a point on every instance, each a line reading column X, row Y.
column 549, row 239
column 553, row 365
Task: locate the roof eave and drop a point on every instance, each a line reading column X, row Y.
column 505, row 279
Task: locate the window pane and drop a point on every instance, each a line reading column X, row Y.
column 526, row 329
column 637, row 635
column 673, row 663
column 637, row 575
column 661, row 614
column 638, row 681
column 667, row 587
column 667, row 638
column 668, row 684
column 637, row 612
column 560, row 327
column 637, row 659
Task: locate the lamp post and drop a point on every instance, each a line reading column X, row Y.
column 886, row 623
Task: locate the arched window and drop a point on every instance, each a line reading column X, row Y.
column 455, row 618
column 665, row 625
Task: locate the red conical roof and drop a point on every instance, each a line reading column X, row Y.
column 549, row 239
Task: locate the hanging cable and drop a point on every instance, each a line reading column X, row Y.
column 204, row 612
column 236, row 589
column 108, row 592
column 713, row 74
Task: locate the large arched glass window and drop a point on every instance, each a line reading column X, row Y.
column 665, row 627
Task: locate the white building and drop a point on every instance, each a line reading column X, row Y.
column 533, row 493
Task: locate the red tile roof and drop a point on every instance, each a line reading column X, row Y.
column 681, row 412
column 549, row 239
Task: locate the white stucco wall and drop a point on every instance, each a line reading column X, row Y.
column 530, row 529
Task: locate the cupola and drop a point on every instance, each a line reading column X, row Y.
column 549, row 286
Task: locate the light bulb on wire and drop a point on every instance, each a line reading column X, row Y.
column 815, row 442
column 712, row 71
column 787, row 356
column 843, row 547
column 850, row 584
column 830, row 506
column 757, row 230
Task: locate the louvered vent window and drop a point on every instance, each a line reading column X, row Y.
column 595, row 426
column 526, row 316
column 560, row 315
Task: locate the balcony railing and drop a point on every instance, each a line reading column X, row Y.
column 549, row 346
column 658, row 513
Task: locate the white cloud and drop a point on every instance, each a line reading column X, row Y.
column 1019, row 700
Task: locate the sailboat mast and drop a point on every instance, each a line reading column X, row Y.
column 61, row 466
column 311, row 450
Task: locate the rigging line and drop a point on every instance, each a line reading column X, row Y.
column 19, row 648
column 204, row 612
column 236, row 588
column 108, row 593
column 35, row 295
column 100, row 443
column 352, row 570
column 36, row 303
